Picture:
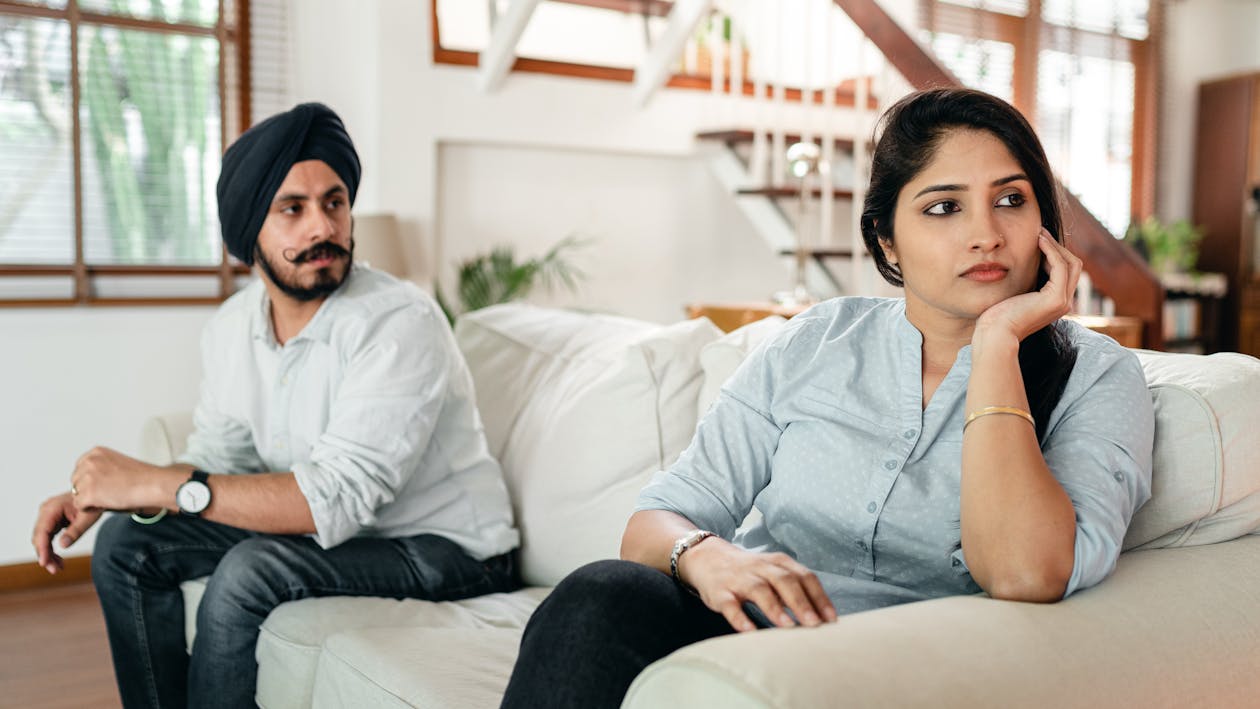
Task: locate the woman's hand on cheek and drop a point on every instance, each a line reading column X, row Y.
column 1024, row 314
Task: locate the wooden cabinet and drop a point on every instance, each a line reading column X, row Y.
column 1249, row 320
column 1226, row 197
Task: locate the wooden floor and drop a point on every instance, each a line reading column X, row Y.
column 53, row 651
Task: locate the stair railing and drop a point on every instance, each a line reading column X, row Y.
column 898, row 64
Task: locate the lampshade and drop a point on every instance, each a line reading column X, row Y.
column 376, row 243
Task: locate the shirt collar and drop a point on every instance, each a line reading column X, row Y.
column 317, row 329
column 911, row 337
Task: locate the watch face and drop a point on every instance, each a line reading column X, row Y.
column 193, row 496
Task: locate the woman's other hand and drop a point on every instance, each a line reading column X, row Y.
column 726, row 576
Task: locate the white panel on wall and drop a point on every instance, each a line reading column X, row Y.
column 662, row 233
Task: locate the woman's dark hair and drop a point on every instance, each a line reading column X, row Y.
column 912, row 131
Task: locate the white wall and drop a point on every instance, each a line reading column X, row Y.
column 77, row 377
column 1207, row 39
column 659, row 233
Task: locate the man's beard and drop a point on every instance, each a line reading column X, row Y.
column 325, row 282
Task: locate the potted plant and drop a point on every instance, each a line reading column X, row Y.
column 496, row 277
column 1167, row 247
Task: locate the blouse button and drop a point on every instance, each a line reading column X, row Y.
column 890, row 464
column 871, row 508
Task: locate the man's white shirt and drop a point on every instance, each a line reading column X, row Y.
column 371, row 406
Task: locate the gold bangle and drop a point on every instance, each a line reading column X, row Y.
column 998, row 410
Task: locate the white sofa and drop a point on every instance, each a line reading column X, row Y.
column 582, row 409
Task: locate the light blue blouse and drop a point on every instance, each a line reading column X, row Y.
column 823, row 428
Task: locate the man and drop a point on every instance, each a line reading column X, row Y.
column 340, row 390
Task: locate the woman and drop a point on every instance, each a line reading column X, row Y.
column 963, row 439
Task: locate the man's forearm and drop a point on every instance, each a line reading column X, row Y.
column 260, row 502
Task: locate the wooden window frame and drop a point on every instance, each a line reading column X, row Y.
column 232, row 37
column 1024, row 33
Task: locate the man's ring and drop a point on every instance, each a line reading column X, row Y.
column 74, row 490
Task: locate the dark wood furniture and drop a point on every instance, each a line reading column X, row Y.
column 1226, row 197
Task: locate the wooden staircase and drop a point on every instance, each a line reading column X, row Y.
column 821, row 256
column 1115, row 269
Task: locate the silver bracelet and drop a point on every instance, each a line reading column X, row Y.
column 685, row 542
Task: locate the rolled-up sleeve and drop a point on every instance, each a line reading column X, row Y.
column 717, row 478
column 1101, row 452
column 382, row 419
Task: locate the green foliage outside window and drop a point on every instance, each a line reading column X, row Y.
column 150, row 136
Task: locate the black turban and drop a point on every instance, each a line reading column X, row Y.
column 257, row 163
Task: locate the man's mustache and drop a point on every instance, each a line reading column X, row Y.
column 324, row 249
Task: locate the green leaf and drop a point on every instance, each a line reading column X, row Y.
column 497, row 277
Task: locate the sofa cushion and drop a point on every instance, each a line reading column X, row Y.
column 1170, row 628
column 296, row 634
column 1206, row 483
column 438, row 668
column 511, row 349
column 581, row 410
column 722, row 357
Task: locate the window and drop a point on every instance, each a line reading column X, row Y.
column 1082, row 71
column 113, row 116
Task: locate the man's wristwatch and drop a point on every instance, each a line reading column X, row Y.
column 193, row 497
column 685, row 542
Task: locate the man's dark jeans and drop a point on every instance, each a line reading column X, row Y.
column 598, row 630
column 137, row 570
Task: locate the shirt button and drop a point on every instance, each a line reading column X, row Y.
column 956, row 562
column 871, row 508
column 890, row 464
column 909, row 434
column 1118, row 476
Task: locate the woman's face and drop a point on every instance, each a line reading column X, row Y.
column 965, row 230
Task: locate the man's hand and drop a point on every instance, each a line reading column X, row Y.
column 105, row 479
column 56, row 514
column 725, row 576
column 1024, row 314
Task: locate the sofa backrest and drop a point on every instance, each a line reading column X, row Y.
column 1206, row 483
column 580, row 410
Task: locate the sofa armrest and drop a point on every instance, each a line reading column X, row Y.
column 1171, row 628
column 164, row 438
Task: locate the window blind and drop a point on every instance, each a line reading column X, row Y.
column 1072, row 66
column 152, row 122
